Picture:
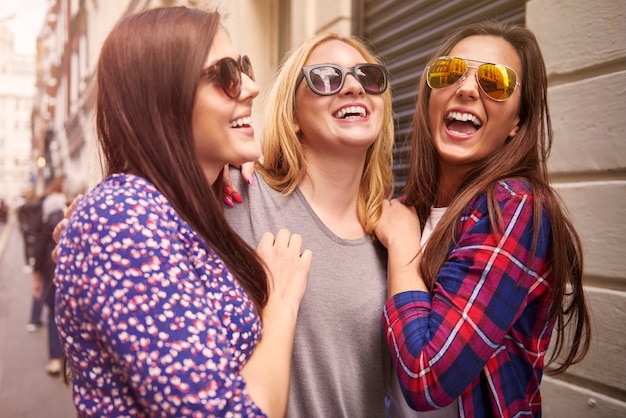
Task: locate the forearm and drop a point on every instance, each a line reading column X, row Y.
column 399, row 231
column 403, row 272
column 268, row 370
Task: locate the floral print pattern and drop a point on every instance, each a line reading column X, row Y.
column 152, row 322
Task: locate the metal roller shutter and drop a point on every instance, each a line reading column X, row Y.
column 404, row 33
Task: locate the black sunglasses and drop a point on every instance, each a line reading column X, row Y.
column 328, row 79
column 227, row 72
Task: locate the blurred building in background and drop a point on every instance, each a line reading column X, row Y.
column 585, row 52
column 17, row 89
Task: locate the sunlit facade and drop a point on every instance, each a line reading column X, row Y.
column 17, row 89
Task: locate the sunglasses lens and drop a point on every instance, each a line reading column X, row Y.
column 230, row 77
column 372, row 79
column 325, row 80
column 445, row 71
column 496, row 80
column 246, row 67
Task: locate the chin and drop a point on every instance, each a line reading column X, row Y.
column 253, row 156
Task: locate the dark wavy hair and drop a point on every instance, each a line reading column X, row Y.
column 523, row 156
column 148, row 73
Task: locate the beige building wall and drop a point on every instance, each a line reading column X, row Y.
column 584, row 44
column 256, row 29
column 252, row 24
column 83, row 168
column 17, row 77
column 314, row 16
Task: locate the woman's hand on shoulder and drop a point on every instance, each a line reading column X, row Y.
column 58, row 229
column 231, row 193
column 398, row 225
column 399, row 231
column 288, row 267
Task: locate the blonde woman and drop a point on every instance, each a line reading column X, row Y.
column 326, row 168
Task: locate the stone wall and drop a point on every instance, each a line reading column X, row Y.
column 584, row 44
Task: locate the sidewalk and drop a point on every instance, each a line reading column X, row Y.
column 26, row 391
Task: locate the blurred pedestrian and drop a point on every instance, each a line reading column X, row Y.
column 4, row 210
column 53, row 207
column 30, row 219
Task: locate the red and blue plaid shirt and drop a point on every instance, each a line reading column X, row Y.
column 483, row 333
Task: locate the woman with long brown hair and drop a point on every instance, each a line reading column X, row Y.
column 491, row 265
column 163, row 309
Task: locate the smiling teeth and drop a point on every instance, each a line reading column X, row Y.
column 464, row 117
column 241, row 122
column 353, row 111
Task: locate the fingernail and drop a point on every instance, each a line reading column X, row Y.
column 227, row 190
column 236, row 197
column 228, row 201
column 250, row 179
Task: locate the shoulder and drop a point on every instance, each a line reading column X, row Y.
column 513, row 198
column 255, row 195
column 124, row 198
column 510, row 188
column 237, row 179
column 517, row 196
column 124, row 188
column 503, row 191
column 242, row 185
column 121, row 214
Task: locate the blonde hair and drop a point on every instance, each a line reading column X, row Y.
column 284, row 164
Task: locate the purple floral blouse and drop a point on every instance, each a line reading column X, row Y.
column 152, row 321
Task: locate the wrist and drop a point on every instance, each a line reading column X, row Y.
column 281, row 311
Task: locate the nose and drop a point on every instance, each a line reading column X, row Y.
column 352, row 86
column 249, row 88
column 468, row 84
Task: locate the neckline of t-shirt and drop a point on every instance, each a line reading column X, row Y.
column 325, row 229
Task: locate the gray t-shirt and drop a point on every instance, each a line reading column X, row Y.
column 340, row 364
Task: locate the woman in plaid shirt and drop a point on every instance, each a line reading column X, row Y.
column 470, row 315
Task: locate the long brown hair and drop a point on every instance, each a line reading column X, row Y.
column 523, row 156
column 284, row 165
column 148, row 73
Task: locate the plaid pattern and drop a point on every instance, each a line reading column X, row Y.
column 482, row 335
